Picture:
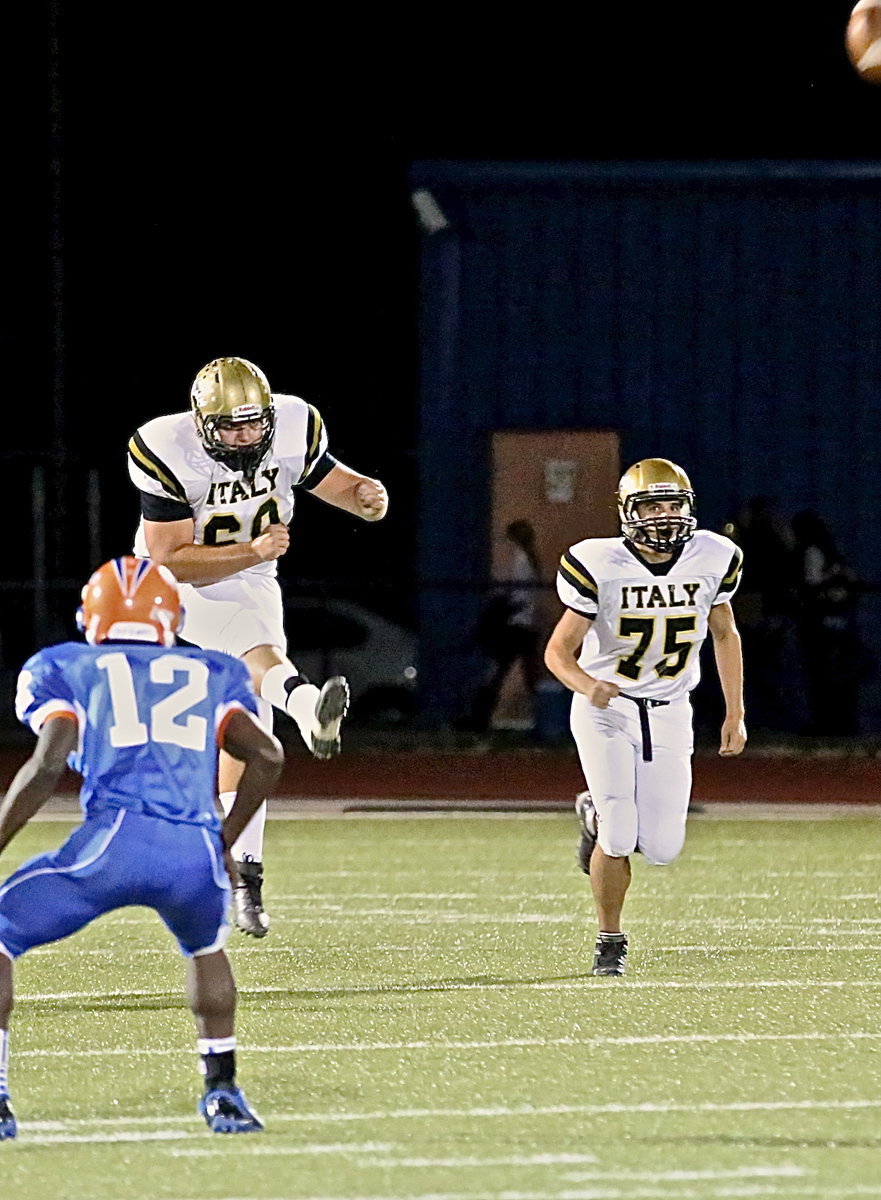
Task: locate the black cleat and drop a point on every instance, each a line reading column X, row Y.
column 331, row 707
column 610, row 954
column 8, row 1127
column 248, row 899
column 587, row 818
column 226, row 1111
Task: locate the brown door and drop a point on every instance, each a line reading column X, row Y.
column 564, row 484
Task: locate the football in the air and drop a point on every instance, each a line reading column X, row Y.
column 863, row 40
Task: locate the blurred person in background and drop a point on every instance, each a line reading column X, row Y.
column 509, row 629
column 833, row 656
column 763, row 608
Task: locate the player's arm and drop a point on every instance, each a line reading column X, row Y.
column 561, row 659
column 171, row 544
column 36, row 779
column 729, row 664
column 263, row 757
column 357, row 494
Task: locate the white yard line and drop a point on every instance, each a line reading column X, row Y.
column 246, row 950
column 614, row 1175
column 337, row 1117
column 578, row 984
column 610, row 1192
column 417, row 917
column 786, row 1171
column 52, row 1139
column 387, row 1160
column 851, row 925
column 342, row 901
column 447, row 1044
column 312, row 808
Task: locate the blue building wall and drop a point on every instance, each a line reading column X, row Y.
column 727, row 316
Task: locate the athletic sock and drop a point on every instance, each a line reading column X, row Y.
column 4, row 1062
column 218, row 1062
column 250, row 840
column 293, row 694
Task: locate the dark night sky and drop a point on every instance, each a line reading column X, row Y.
column 241, row 188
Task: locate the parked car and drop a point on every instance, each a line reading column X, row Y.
column 378, row 656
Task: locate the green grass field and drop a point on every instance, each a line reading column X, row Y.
column 421, row 1023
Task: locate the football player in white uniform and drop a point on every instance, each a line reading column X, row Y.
column 217, row 486
column 638, row 608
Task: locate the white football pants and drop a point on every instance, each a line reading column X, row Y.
column 638, row 803
column 234, row 615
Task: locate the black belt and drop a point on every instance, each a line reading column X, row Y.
column 644, row 705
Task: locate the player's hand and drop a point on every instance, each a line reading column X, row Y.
column 733, row 737
column 371, row 499
column 272, row 543
column 602, row 692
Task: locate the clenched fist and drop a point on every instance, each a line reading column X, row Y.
column 602, row 692
column 371, row 499
column 272, row 543
column 733, row 737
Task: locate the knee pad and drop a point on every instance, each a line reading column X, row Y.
column 617, row 826
column 661, row 854
column 616, row 847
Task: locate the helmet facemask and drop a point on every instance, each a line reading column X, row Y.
column 663, row 533
column 228, row 392
column 238, row 458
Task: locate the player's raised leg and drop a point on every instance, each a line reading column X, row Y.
column 318, row 712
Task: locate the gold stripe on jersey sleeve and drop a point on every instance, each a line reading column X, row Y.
column 579, row 577
column 729, row 583
column 141, row 454
column 314, row 427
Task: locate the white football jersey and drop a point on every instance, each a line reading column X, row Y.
column 177, row 478
column 648, row 619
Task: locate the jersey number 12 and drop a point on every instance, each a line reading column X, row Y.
column 128, row 729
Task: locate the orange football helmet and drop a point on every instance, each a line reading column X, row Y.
column 131, row 600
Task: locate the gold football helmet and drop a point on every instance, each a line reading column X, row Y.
column 228, row 392
column 656, row 479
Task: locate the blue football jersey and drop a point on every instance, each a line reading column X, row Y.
column 149, row 718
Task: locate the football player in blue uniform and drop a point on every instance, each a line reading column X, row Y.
column 141, row 719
